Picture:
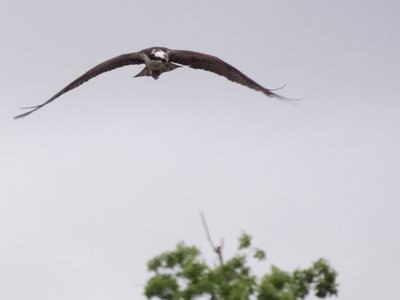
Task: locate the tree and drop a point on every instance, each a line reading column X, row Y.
column 183, row 274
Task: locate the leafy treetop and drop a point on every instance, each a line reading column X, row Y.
column 182, row 274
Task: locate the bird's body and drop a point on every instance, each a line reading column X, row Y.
column 158, row 60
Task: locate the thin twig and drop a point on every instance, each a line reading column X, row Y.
column 217, row 249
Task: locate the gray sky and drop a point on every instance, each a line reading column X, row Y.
column 116, row 171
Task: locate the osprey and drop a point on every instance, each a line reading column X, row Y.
column 158, row 60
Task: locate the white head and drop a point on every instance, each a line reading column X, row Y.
column 158, row 54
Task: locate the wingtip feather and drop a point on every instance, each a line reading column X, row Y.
column 33, row 108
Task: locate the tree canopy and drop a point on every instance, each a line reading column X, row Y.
column 184, row 274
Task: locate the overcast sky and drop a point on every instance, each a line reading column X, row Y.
column 116, row 171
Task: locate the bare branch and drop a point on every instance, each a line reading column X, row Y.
column 217, row 249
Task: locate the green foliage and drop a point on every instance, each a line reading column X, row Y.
column 184, row 274
column 259, row 254
column 244, row 241
column 281, row 285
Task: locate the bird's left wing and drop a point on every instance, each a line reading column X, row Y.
column 216, row 65
column 108, row 65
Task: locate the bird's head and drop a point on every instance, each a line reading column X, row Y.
column 158, row 54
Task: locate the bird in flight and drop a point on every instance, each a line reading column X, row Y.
column 158, row 60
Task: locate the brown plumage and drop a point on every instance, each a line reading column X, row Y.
column 159, row 60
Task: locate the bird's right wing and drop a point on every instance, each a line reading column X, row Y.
column 108, row 65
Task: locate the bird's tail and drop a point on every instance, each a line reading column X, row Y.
column 145, row 72
column 148, row 72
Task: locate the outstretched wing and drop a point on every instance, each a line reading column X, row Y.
column 216, row 65
column 108, row 65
